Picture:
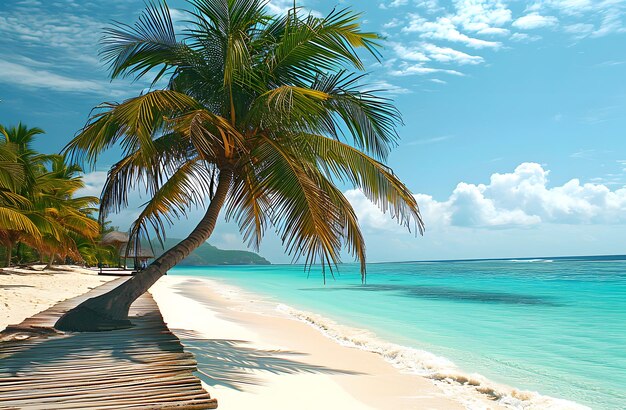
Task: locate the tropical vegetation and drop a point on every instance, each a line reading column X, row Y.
column 261, row 116
column 42, row 217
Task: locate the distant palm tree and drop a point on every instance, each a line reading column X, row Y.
column 19, row 164
column 260, row 115
column 13, row 220
column 67, row 215
column 38, row 202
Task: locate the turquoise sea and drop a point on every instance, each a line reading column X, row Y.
column 554, row 326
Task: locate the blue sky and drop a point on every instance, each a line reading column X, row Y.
column 515, row 114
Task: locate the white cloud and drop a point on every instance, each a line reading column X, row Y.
column 386, row 87
column 431, row 6
column 524, row 38
column 611, row 23
column 521, row 198
column 409, row 53
column 570, row 7
column 94, row 182
column 283, row 6
column 393, row 4
column 579, row 30
column 405, row 69
column 438, row 81
column 394, row 22
column 17, row 74
column 444, row 29
column 58, row 28
column 482, row 16
column 534, row 21
column 279, row 6
column 450, row 55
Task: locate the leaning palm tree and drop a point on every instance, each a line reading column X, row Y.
column 260, row 115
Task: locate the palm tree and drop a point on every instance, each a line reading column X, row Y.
column 260, row 115
column 68, row 216
column 18, row 163
column 38, row 202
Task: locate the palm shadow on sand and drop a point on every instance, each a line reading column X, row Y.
column 233, row 364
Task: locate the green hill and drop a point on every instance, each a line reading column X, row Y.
column 207, row 255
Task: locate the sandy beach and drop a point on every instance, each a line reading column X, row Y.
column 25, row 292
column 251, row 355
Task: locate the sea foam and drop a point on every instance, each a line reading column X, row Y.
column 468, row 389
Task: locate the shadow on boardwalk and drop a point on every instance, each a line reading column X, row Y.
column 141, row 367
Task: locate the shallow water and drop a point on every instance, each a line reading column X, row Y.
column 557, row 327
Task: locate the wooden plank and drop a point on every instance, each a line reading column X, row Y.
column 141, row 367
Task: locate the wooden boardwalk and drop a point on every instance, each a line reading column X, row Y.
column 144, row 367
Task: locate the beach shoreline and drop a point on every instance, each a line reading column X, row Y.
column 253, row 351
column 283, row 357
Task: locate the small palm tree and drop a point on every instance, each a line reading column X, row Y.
column 260, row 115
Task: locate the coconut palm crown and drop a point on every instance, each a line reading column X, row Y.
column 260, row 115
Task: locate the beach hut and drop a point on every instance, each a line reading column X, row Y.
column 140, row 257
column 119, row 240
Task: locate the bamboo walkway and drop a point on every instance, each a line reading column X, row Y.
column 143, row 367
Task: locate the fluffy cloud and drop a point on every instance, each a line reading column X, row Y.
column 450, row 55
column 534, row 21
column 424, row 52
column 482, row 16
column 409, row 53
column 521, row 198
column 443, row 28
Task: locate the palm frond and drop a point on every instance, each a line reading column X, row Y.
column 376, row 180
column 133, row 124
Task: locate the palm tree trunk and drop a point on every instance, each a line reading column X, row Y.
column 50, row 261
column 110, row 310
column 9, row 252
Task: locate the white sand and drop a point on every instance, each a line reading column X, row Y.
column 25, row 292
column 252, row 356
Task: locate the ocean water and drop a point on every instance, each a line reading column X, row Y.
column 552, row 326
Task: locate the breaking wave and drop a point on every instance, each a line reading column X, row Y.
column 440, row 370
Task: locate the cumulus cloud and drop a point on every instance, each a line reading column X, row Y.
column 450, row 55
column 534, row 21
column 409, row 53
column 424, row 52
column 443, row 28
column 482, row 16
column 521, row 198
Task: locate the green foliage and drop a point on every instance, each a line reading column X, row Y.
column 277, row 101
column 40, row 214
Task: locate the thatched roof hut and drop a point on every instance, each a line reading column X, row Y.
column 115, row 238
column 141, row 254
